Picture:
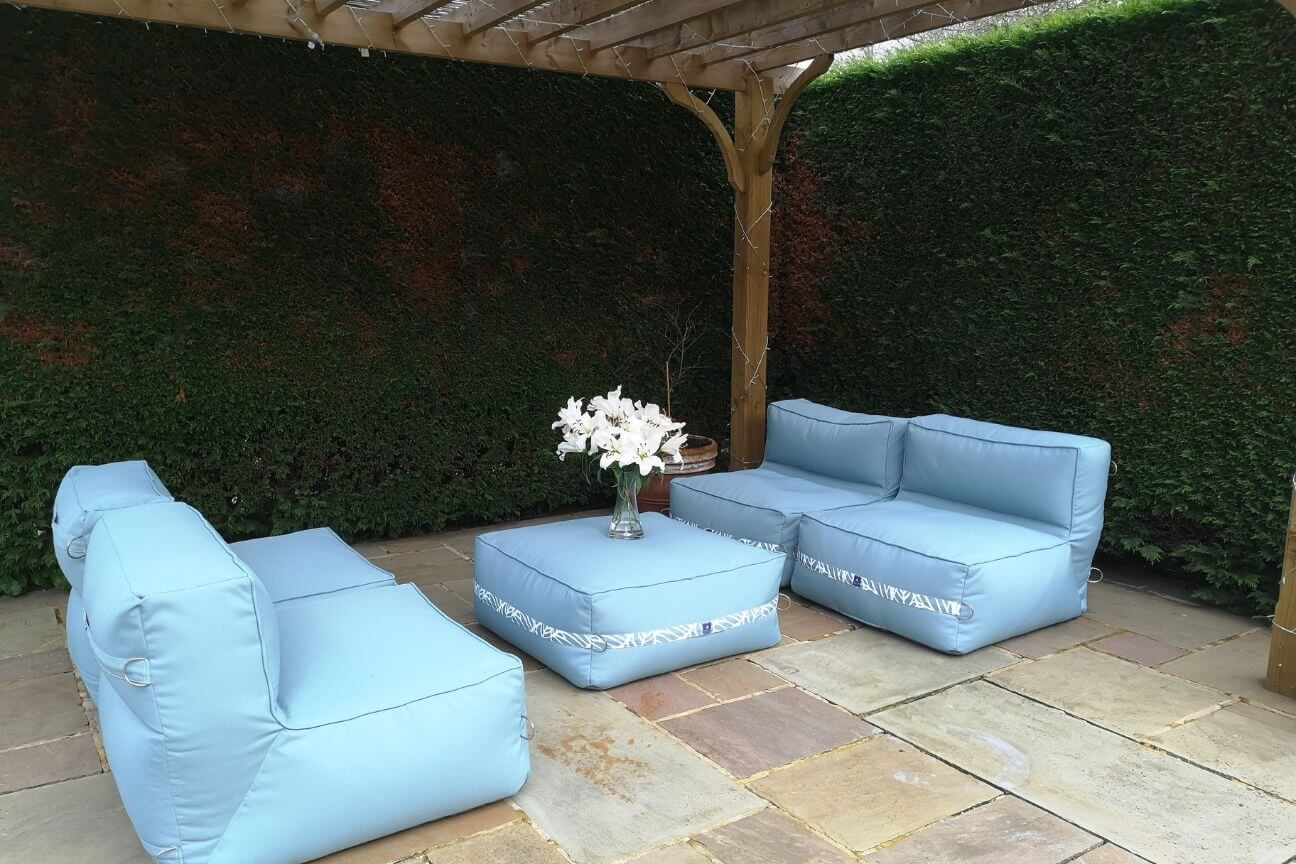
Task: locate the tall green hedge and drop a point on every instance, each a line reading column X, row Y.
column 313, row 288
column 1087, row 224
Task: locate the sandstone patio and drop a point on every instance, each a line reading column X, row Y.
column 1140, row 732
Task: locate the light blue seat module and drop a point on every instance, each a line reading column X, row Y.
column 240, row 731
column 86, row 493
column 307, row 564
column 816, row 458
column 991, row 535
column 602, row 612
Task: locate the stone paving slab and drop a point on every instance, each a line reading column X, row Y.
column 403, row 844
column 1109, row 854
column 1255, row 745
column 30, row 631
column 1237, row 666
column 35, row 665
column 660, row 696
column 1113, row 693
column 1148, row 802
column 606, row 783
column 451, row 604
column 676, row 853
column 733, row 679
column 1005, row 831
column 1138, row 649
column 1049, row 640
column 866, row 669
column 770, row 837
column 438, row 564
column 76, row 822
column 806, row 623
column 872, row 792
column 1183, row 625
column 517, row 842
column 37, row 709
column 51, row 762
column 766, row 731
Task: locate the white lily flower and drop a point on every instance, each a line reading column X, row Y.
column 672, row 447
column 615, row 450
column 609, row 404
column 571, row 415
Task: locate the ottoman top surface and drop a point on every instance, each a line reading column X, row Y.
column 580, row 554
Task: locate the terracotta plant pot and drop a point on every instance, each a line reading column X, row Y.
column 699, row 455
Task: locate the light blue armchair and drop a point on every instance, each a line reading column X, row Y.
column 240, row 729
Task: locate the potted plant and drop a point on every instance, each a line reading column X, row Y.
column 633, row 441
column 674, row 352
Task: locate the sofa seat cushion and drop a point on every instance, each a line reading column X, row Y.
column 355, row 653
column 949, row 579
column 602, row 612
column 762, row 507
column 307, row 564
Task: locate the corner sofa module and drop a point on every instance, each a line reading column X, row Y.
column 239, row 730
column 991, row 535
column 816, row 458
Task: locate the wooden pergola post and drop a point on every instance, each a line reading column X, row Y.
column 1282, row 644
column 759, row 116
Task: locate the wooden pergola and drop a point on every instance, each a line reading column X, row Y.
column 765, row 51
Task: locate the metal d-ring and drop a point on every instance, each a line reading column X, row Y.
column 970, row 612
column 1093, row 570
column 126, row 676
column 528, row 728
column 600, row 642
column 68, row 547
column 779, row 602
column 1115, row 469
column 167, row 851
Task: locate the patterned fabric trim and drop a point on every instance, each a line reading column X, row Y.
column 926, row 602
column 759, row 544
column 603, row 642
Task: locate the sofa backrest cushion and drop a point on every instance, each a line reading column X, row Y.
column 187, row 640
column 1053, row 478
column 858, row 448
column 86, row 493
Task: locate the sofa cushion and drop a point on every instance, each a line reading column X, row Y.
column 307, row 564
column 857, row 448
column 945, row 578
column 763, row 506
column 85, row 494
column 1049, row 477
column 602, row 612
column 350, row 654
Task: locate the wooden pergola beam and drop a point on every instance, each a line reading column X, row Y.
column 932, row 16
column 810, row 27
column 405, row 12
column 735, row 22
column 647, row 19
column 567, row 15
column 370, row 28
column 482, row 15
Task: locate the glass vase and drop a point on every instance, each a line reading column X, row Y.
column 625, row 514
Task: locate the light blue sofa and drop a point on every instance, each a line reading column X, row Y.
column 991, row 535
column 816, row 458
column 277, row 720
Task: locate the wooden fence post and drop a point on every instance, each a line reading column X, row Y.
column 1282, row 644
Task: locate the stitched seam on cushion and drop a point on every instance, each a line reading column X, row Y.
column 400, row 705
column 448, row 619
column 958, row 622
column 783, row 513
column 552, row 578
column 248, row 794
column 328, row 593
column 830, row 422
column 739, row 503
column 166, row 739
column 1008, row 443
column 935, row 557
column 349, row 548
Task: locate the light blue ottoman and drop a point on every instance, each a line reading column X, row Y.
column 601, row 612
